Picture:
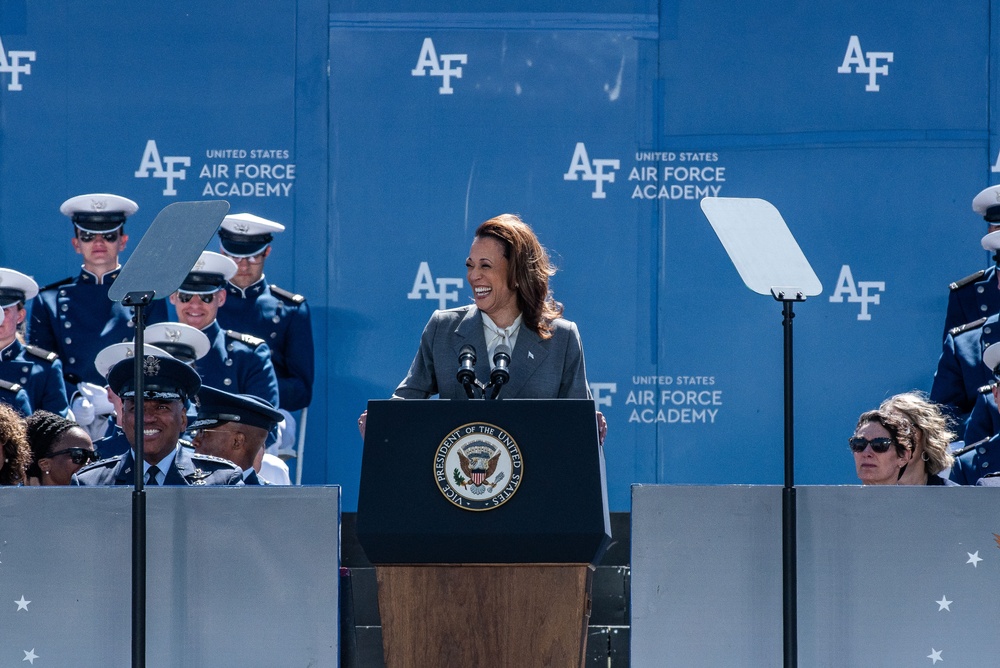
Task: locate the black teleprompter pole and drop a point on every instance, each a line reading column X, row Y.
column 139, row 301
column 789, row 564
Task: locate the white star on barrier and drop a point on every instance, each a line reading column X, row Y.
column 30, row 656
column 944, row 604
column 974, row 559
column 935, row 655
column 22, row 604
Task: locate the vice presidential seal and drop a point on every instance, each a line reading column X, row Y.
column 478, row 466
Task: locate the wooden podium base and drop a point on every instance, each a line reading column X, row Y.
column 470, row 615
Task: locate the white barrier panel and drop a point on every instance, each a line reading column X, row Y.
column 235, row 576
column 887, row 576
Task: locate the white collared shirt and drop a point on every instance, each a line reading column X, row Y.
column 497, row 335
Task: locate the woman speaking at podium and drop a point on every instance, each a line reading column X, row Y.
column 514, row 315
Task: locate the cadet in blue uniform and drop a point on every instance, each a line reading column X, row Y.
column 38, row 371
column 980, row 458
column 977, row 295
column 168, row 384
column 237, row 362
column 960, row 371
column 984, row 420
column 234, row 427
column 266, row 311
column 74, row 317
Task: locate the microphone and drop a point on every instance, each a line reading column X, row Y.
column 500, row 374
column 467, row 369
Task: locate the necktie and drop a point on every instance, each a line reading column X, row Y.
column 151, row 473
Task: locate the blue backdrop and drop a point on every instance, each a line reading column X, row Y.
column 382, row 133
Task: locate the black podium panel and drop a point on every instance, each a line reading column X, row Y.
column 558, row 513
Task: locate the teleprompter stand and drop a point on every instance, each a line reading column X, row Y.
column 770, row 262
column 506, row 586
column 158, row 265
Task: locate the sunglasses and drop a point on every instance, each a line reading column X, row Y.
column 250, row 259
column 185, row 297
column 87, row 237
column 78, row 455
column 879, row 445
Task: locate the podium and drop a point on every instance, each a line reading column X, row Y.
column 484, row 520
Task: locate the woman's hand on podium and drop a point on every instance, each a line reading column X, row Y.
column 602, row 428
column 362, row 422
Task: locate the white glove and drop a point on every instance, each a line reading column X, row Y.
column 90, row 404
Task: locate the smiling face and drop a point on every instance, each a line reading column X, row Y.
column 875, row 468
column 487, row 272
column 195, row 312
column 163, row 422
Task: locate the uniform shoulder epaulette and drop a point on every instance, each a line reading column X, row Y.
column 251, row 341
column 285, row 294
column 7, row 385
column 224, row 463
column 971, row 278
column 46, row 355
column 971, row 446
column 107, row 462
column 57, row 284
column 969, row 326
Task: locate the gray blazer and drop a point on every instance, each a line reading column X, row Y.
column 539, row 369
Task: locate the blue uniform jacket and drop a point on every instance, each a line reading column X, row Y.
column 960, row 371
column 75, row 319
column 113, row 444
column 15, row 398
column 187, row 468
column 238, row 363
column 977, row 462
column 984, row 420
column 39, row 372
column 971, row 298
column 282, row 319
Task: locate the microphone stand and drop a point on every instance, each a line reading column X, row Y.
column 138, row 301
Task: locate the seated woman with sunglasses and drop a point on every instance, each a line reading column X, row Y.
column 59, row 448
column 883, row 446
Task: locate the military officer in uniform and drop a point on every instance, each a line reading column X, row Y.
column 74, row 317
column 233, row 427
column 236, row 362
column 114, row 441
column 168, row 384
column 977, row 295
column 961, row 372
column 978, row 459
column 38, row 371
column 264, row 310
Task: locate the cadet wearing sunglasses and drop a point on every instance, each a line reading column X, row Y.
column 882, row 446
column 59, row 448
column 74, row 317
column 235, row 362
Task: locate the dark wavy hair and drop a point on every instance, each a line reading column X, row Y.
column 16, row 453
column 43, row 431
column 899, row 428
column 529, row 270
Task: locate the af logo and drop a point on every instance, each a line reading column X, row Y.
column 582, row 167
column 425, row 286
column 865, row 63
column 599, row 390
column 10, row 62
column 857, row 293
column 478, row 466
column 439, row 67
column 165, row 168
